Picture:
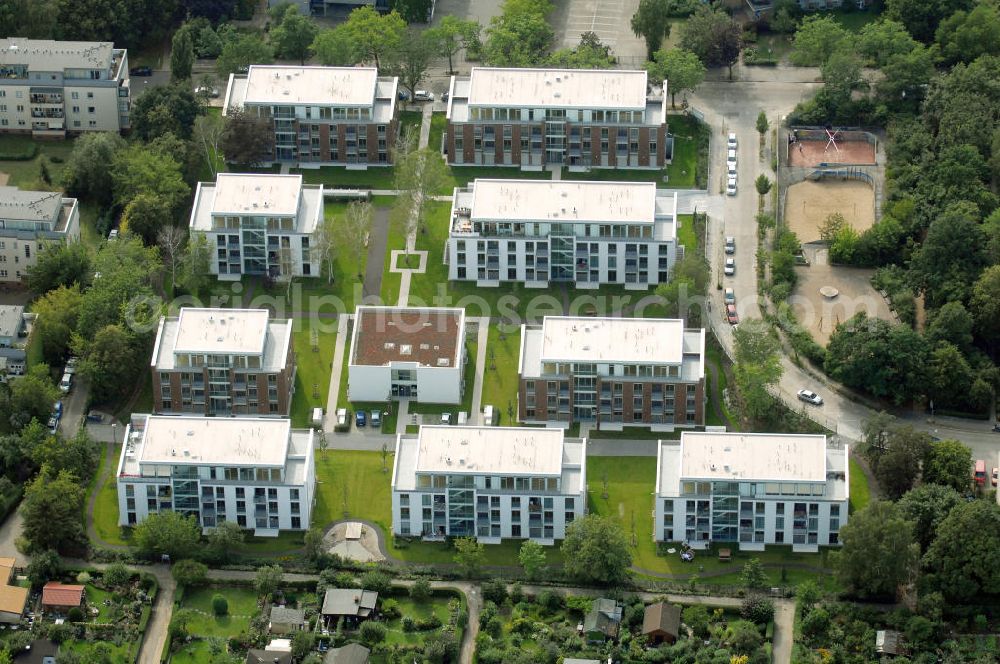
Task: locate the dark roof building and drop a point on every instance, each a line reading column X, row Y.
column 350, row 602
column 661, row 622
column 603, row 620
column 352, row 653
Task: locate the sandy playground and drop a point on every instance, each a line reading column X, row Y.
column 809, row 203
column 813, row 153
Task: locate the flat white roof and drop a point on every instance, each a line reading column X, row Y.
column 238, row 441
column 564, row 201
column 559, row 88
column 625, row 340
column 52, row 55
column 222, row 331
column 753, row 456
column 260, row 194
column 489, row 450
column 320, row 86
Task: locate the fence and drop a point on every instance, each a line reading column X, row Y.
column 841, row 174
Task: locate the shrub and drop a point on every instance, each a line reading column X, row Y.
column 376, row 581
column 757, row 608
column 550, row 601
column 390, row 609
column 220, row 605
column 516, row 593
column 409, row 624
column 420, row 590
column 431, row 622
column 494, row 590
column 75, row 614
column 83, row 578
column 372, row 632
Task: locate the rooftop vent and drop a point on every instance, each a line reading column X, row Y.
column 389, row 345
column 443, row 361
column 405, row 349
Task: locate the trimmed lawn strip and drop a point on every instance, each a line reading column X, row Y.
column 617, row 175
column 410, row 120
column 860, row 492
column 461, row 176
column 312, row 371
column 686, row 236
column 635, row 433
column 339, row 177
column 715, row 357
column 689, row 167
column 26, row 174
column 106, row 505
column 500, row 378
column 439, row 123
column 242, row 606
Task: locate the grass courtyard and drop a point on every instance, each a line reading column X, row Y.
column 860, row 491
column 500, row 378
column 313, row 358
column 242, row 607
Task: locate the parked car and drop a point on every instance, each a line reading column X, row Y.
column 732, row 140
column 66, row 384
column 731, row 170
column 810, row 397
column 206, row 90
column 95, row 417
column 730, row 268
column 57, row 409
column 423, row 95
column 403, row 95
column 53, row 425
column 72, row 363
column 730, row 244
column 731, row 314
column 731, row 158
column 444, row 97
column 730, row 296
column 731, row 187
column 360, row 419
column 376, row 419
column 113, row 235
column 445, row 418
column 343, row 424
column 141, row 71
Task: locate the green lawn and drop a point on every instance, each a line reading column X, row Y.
column 375, row 177
column 26, row 174
column 439, row 123
column 242, row 607
column 435, row 605
column 860, row 493
column 410, row 121
column 689, row 167
column 500, row 378
column 853, row 21
column 123, row 654
column 686, row 235
column 714, row 357
column 635, row 433
column 461, row 176
column 106, row 505
column 617, row 174
column 195, row 652
column 312, row 370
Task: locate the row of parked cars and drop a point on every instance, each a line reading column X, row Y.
column 731, row 145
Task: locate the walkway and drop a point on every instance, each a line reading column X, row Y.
column 477, row 388
column 378, row 240
column 330, row 417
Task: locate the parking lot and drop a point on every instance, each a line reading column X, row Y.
column 608, row 18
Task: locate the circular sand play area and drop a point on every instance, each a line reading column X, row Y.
column 809, row 203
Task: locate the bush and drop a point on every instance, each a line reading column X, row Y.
column 494, row 590
column 376, row 581
column 409, row 624
column 757, row 609
column 420, row 590
column 431, row 622
column 390, row 609
column 372, row 632
column 550, row 601
column 220, row 605
column 74, row 614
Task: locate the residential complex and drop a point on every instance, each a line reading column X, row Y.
column 13, row 341
column 253, row 471
column 223, row 362
column 321, row 115
column 493, row 483
column 413, row 353
column 571, row 117
column 537, row 232
column 258, row 224
column 612, row 372
column 51, row 88
column 751, row 488
column 29, row 220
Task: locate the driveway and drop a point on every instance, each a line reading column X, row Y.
column 74, row 406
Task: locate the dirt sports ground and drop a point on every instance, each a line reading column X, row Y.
column 813, row 153
column 809, row 203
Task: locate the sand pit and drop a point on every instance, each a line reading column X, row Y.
column 808, row 204
column 813, row 153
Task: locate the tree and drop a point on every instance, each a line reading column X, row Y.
column 966, row 36
column 450, row 35
column 207, row 132
column 714, row 37
column 116, row 575
column 596, row 551
column 985, row 304
column 744, row 637
column 469, row 555
column 819, row 37
column 376, row 581
column 757, row 609
column 520, row 36
column 336, row 47
column 86, row 173
column 246, row 140
column 753, row 576
column 165, row 109
column 375, row 34
column 921, row 17
column 952, row 324
column 294, row 36
column 242, row 51
column 45, row 566
column 757, row 366
column 181, row 55
column 57, row 315
column 147, row 215
column 220, row 605
column 224, row 542
column 934, row 267
column 651, row 21
column 188, row 573
column 696, row 617
column 878, row 553
column 77, row 455
column 356, row 227
column 268, row 579
column 949, row 463
column 195, row 264
column 52, row 510
column 168, row 533
column 763, row 185
column 170, row 239
column 412, row 59
column 137, row 171
column 372, row 632
column 681, row 70
column 949, row 377
column 302, row 644
column 880, row 40
column 898, row 468
column 313, row 546
column 963, row 561
column 59, row 265
column 532, row 559
column 926, row 506
column 762, row 126
column 111, row 360
column 590, row 53
column 420, row 591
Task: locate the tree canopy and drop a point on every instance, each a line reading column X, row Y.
column 596, row 551
column 878, row 554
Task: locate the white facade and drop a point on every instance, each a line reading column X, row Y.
column 29, row 220
column 537, row 232
column 50, row 87
column 751, row 489
column 413, row 353
column 255, row 472
column 259, row 225
column 493, row 483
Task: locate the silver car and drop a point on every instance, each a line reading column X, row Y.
column 810, row 397
column 730, row 268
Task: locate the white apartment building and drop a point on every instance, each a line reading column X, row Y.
column 493, row 483
column 539, row 232
column 321, row 115
column 413, row 353
column 752, row 489
column 614, row 372
column 259, row 224
column 51, row 88
column 29, row 220
column 253, row 471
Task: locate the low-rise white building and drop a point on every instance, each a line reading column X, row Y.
column 28, row 221
column 751, row 488
column 259, row 224
column 492, row 483
column 253, row 471
column 407, row 353
column 539, row 232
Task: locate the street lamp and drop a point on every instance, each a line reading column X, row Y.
column 114, row 433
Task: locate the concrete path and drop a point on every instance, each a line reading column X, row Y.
column 784, row 631
column 475, row 417
column 330, row 417
column 378, row 240
column 155, row 637
column 402, row 415
column 10, row 530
